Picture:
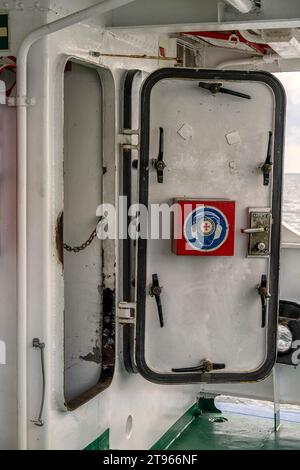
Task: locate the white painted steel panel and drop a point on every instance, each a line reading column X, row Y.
column 82, row 195
column 211, row 307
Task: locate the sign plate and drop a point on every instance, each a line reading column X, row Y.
column 204, row 228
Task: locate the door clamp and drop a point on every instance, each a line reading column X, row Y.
column 158, row 162
column 155, row 291
column 204, row 366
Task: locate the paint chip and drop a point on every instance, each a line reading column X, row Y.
column 186, row 131
column 233, row 138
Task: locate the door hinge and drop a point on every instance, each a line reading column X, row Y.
column 129, row 139
column 126, row 313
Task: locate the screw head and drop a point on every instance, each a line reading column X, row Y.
column 261, row 246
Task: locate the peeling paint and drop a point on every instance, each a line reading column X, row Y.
column 59, row 237
column 108, row 301
column 94, row 356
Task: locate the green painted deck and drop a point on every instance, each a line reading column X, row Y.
column 203, row 427
column 101, row 443
column 239, row 432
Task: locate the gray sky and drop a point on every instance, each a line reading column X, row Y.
column 291, row 83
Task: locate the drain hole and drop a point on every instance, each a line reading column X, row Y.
column 129, row 425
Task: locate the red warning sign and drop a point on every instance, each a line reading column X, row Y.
column 204, row 228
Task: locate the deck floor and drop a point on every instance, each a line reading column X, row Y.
column 238, row 432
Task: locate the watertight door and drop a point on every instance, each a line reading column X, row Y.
column 211, row 146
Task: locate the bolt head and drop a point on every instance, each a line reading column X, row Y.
column 261, row 246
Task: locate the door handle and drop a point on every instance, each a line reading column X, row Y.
column 267, row 166
column 159, row 163
column 217, row 88
column 264, row 296
column 155, row 291
column 41, row 346
column 204, row 366
column 254, row 230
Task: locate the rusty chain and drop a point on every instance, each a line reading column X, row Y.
column 77, row 249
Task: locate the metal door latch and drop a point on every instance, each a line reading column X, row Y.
column 267, row 166
column 155, row 291
column 259, row 232
column 204, row 366
column 215, row 88
column 158, row 162
column 262, row 289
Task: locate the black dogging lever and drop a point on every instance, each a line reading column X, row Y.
column 215, row 88
column 204, row 366
column 155, row 291
column 264, row 296
column 158, row 162
column 267, row 166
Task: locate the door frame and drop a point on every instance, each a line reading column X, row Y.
column 279, row 126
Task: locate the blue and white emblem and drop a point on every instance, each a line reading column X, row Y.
column 206, row 228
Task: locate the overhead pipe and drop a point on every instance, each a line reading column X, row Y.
column 266, row 59
column 21, row 102
column 243, row 6
column 254, row 38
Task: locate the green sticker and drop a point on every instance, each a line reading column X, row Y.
column 4, row 33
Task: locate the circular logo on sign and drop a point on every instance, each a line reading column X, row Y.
column 206, row 228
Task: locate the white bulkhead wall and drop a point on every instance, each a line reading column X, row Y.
column 21, row 23
column 8, row 320
column 128, row 394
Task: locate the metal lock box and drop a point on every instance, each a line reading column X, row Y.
column 259, row 232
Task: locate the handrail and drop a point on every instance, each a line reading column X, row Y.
column 41, row 346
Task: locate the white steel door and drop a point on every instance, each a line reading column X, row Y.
column 207, row 304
